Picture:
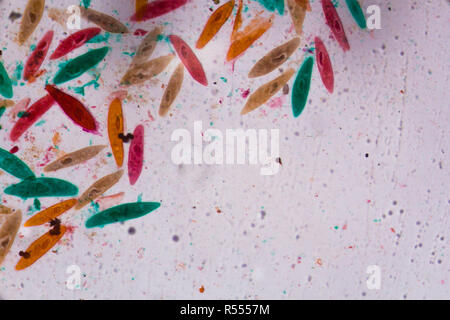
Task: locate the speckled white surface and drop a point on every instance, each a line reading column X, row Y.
column 308, row 232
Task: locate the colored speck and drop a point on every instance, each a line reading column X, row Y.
column 14, row 149
column 202, row 289
column 86, row 3
column 37, row 204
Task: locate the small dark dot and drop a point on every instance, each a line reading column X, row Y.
column 175, row 238
column 367, row 155
column 131, row 230
column 394, row 203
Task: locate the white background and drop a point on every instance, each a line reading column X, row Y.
column 292, row 250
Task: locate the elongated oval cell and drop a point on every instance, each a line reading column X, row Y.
column 37, row 57
column 10, row 221
column 115, row 128
column 121, row 213
column 214, row 23
column 30, row 19
column 51, row 213
column 266, row 91
column 6, row 89
column 145, row 71
column 41, row 188
column 324, row 65
column 298, row 14
column 244, row 39
column 237, row 21
column 146, row 47
column 73, row 108
column 76, row 67
column 40, row 247
column 14, row 166
column 74, row 158
column 98, row 188
column 189, row 59
column 140, row 7
column 74, row 41
column 104, row 21
column 172, row 90
column 136, row 155
column 357, row 13
column 158, row 8
column 300, row 89
column 33, row 114
column 274, row 58
column 335, row 24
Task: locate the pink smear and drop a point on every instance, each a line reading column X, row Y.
column 276, row 103
column 140, row 32
column 110, row 201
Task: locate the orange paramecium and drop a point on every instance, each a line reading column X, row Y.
column 50, row 213
column 40, row 247
column 237, row 21
column 116, row 127
column 140, row 9
column 244, row 39
column 214, row 23
column 304, row 4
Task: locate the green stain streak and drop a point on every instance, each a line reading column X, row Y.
column 6, row 89
column 76, row 67
column 13, row 165
column 100, row 38
column 224, row 79
column 94, row 207
column 42, row 187
column 86, row 3
column 37, row 204
column 22, row 114
column 131, row 54
column 2, row 111
column 32, row 47
column 271, row 5
column 357, row 13
column 162, row 37
column 17, row 75
column 121, row 213
column 40, row 123
column 300, row 89
column 80, row 90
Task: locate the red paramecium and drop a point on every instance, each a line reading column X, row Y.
column 74, row 41
column 73, row 108
column 136, row 155
column 31, row 115
column 335, row 24
column 37, row 57
column 189, row 59
column 324, row 64
column 158, row 8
